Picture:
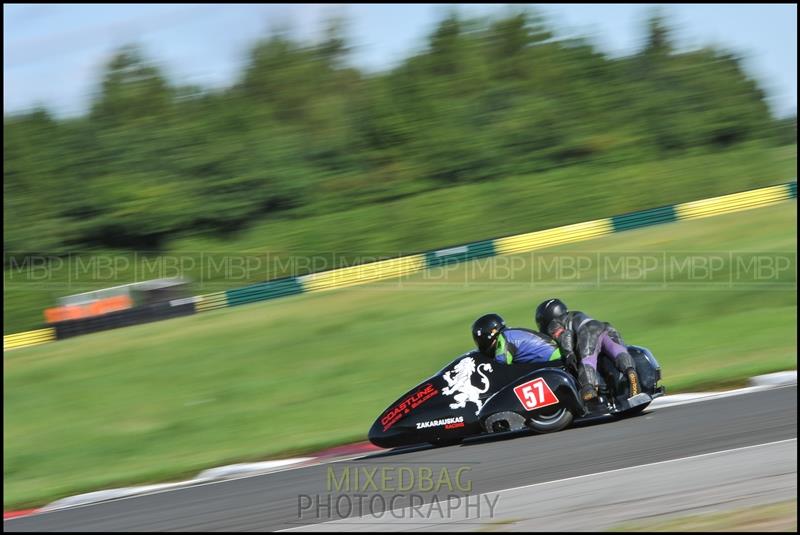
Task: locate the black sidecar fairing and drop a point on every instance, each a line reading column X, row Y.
column 439, row 411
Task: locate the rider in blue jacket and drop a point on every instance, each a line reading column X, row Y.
column 510, row 345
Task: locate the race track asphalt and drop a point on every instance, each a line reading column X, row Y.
column 282, row 500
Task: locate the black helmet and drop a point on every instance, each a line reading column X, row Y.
column 485, row 330
column 549, row 310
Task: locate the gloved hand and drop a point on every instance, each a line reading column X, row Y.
column 571, row 362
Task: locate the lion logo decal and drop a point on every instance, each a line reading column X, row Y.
column 461, row 387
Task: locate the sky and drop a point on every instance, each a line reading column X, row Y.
column 53, row 54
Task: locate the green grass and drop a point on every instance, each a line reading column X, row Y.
column 431, row 220
column 160, row 401
column 777, row 517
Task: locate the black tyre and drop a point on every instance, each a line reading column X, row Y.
column 550, row 422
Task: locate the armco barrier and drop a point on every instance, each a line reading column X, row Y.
column 401, row 266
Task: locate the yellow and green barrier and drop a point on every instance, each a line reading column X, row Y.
column 28, row 338
column 523, row 243
column 520, row 243
column 363, row 273
column 265, row 290
column 735, row 202
column 204, row 303
column 644, row 218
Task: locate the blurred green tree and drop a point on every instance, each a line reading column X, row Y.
column 303, row 132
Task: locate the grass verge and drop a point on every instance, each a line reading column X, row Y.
column 777, row 517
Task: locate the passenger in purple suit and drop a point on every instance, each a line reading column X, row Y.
column 577, row 332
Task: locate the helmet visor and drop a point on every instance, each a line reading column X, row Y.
column 485, row 340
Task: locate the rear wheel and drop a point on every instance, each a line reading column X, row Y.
column 549, row 422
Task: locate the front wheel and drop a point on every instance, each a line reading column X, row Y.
column 551, row 422
column 504, row 421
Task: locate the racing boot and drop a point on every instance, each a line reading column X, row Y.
column 633, row 382
column 627, row 367
column 587, row 377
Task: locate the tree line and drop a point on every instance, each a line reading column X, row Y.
column 302, row 131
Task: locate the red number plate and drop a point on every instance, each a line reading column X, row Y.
column 535, row 394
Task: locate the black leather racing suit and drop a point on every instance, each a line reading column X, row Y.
column 579, row 333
